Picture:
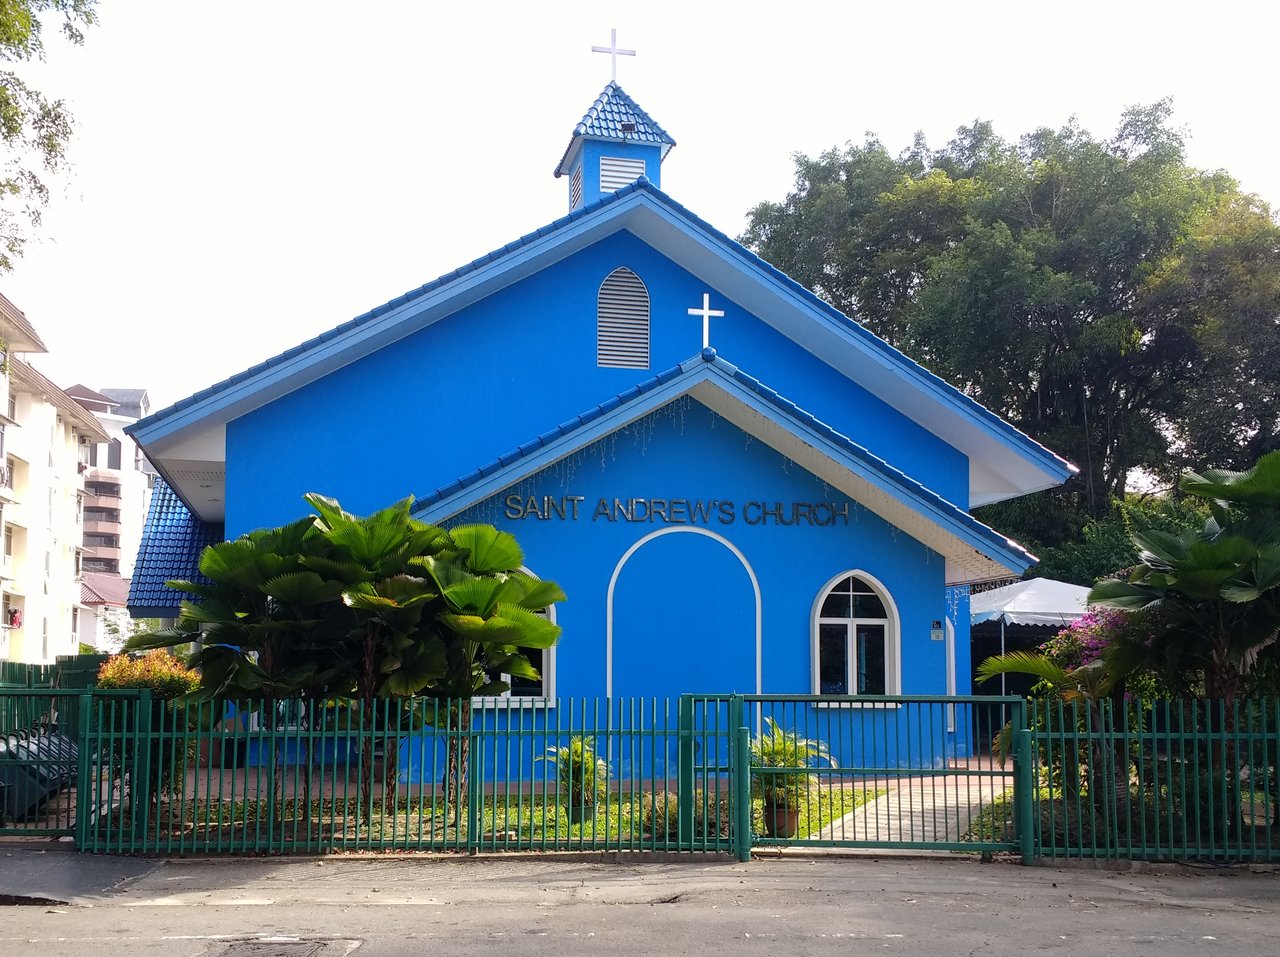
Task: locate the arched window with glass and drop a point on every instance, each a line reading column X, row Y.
column 855, row 640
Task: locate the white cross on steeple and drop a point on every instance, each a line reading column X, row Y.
column 614, row 52
column 706, row 312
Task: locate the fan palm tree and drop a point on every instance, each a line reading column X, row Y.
column 1216, row 589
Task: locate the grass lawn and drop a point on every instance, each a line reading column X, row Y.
column 514, row 822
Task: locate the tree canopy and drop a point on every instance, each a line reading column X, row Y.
column 34, row 130
column 1101, row 294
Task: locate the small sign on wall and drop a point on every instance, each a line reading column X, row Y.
column 935, row 630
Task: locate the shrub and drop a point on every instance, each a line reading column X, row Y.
column 777, row 748
column 582, row 777
column 660, row 815
column 168, row 679
column 165, row 675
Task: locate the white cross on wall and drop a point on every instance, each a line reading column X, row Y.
column 614, row 52
column 706, row 312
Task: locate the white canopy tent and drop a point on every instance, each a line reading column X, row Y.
column 1037, row 601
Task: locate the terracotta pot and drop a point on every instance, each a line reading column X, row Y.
column 781, row 821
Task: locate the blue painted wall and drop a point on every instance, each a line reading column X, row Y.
column 431, row 408
column 684, row 603
column 588, row 161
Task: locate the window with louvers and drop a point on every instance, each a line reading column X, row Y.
column 622, row 321
column 616, row 172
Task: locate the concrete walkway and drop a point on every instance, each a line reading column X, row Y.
column 923, row 809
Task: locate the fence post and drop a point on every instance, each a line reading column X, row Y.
column 741, row 778
column 684, row 772
column 84, row 764
column 475, row 787
column 1024, row 793
column 140, row 774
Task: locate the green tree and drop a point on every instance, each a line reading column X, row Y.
column 1101, row 294
column 375, row 608
column 34, row 130
column 1105, row 545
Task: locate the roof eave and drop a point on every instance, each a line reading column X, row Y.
column 1003, row 555
column 629, row 208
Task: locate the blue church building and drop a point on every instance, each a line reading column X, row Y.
column 739, row 488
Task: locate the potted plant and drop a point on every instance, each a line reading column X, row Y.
column 786, row 790
column 582, row 777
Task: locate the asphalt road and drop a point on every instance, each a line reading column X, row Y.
column 378, row 907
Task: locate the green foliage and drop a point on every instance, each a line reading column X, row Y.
column 792, row 785
column 582, row 777
column 1216, row 589
column 166, row 676
column 1105, row 545
column 375, row 607
column 34, row 130
column 1101, row 294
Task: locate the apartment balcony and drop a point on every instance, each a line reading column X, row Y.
column 7, row 494
column 101, row 551
column 101, row 501
column 101, row 526
column 96, row 473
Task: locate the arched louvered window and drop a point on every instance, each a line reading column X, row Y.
column 622, row 321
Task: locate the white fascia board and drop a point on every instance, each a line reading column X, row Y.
column 717, row 391
column 807, row 450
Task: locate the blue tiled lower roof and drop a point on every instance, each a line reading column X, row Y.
column 907, row 486
column 171, row 545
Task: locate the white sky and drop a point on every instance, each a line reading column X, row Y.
column 250, row 173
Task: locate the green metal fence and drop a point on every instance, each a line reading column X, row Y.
column 39, row 763
column 1157, row 780
column 17, row 674
column 903, row 772
column 310, row 776
column 123, row 773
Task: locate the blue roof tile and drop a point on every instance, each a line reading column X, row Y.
column 171, row 545
column 606, row 118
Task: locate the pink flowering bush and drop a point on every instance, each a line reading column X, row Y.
column 1084, row 640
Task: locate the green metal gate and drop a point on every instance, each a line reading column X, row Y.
column 901, row 773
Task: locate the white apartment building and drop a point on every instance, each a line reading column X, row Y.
column 117, row 481
column 45, row 440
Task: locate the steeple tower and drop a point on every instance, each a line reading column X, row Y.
column 615, row 144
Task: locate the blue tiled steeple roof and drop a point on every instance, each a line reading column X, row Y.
column 171, row 545
column 615, row 116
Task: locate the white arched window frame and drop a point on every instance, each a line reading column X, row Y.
column 622, row 321
column 543, row 692
column 849, row 638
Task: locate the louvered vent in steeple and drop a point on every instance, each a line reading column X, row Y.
column 622, row 321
